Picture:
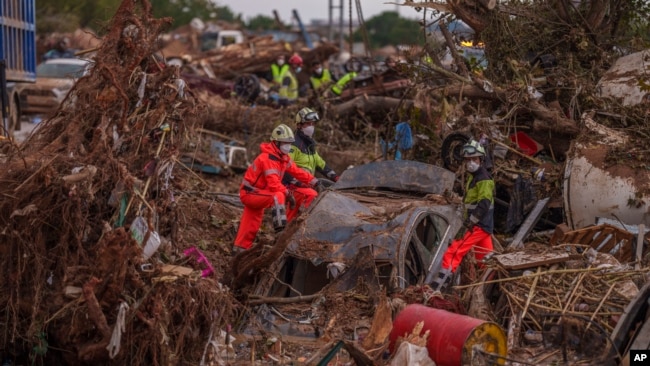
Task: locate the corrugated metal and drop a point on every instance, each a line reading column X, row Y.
column 17, row 39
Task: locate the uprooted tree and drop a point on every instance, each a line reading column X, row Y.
column 72, row 288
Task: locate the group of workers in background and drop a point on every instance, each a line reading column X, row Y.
column 284, row 79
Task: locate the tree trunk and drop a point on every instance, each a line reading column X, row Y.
column 474, row 19
column 596, row 15
column 460, row 62
column 488, row 4
column 553, row 121
column 366, row 104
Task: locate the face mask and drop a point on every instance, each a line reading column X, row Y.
column 472, row 166
column 280, row 62
column 319, row 70
column 298, row 69
column 309, row 131
column 285, row 148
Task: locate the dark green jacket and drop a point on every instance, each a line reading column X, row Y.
column 479, row 198
column 304, row 154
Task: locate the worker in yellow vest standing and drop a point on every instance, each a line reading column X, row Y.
column 289, row 86
column 278, row 69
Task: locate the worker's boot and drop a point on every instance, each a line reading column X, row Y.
column 442, row 280
column 236, row 249
column 279, row 216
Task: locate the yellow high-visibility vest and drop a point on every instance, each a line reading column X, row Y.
column 289, row 92
column 324, row 80
column 278, row 71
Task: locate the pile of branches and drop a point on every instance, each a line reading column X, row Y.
column 73, row 285
column 571, row 306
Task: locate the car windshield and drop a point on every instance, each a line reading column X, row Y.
column 60, row 70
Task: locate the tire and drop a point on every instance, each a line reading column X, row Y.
column 247, row 87
column 452, row 147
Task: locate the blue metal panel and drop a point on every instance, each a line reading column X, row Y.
column 18, row 39
column 305, row 35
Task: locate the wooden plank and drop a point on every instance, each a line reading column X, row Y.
column 625, row 254
column 529, row 223
column 604, row 240
column 594, row 234
column 521, row 260
column 639, row 247
column 560, row 234
column 619, row 235
column 583, row 237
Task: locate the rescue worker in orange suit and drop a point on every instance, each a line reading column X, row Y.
column 479, row 216
column 304, row 154
column 262, row 187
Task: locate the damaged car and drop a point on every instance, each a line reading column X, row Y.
column 382, row 227
column 54, row 79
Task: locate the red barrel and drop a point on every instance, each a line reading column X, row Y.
column 451, row 336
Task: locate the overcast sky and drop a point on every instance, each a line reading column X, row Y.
column 310, row 9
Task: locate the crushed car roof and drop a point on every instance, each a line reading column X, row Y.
column 373, row 205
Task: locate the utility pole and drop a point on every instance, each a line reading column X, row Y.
column 330, row 35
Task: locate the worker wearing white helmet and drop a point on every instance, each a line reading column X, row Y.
column 479, row 216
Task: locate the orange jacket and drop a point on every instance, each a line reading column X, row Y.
column 269, row 166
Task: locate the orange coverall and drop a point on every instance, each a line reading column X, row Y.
column 262, row 188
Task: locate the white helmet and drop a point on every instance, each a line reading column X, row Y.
column 473, row 149
column 282, row 133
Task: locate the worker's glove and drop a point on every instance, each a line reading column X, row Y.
column 291, row 200
column 470, row 221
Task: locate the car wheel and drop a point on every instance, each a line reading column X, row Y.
column 452, row 147
column 247, row 87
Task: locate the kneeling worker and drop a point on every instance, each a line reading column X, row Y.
column 262, row 186
column 304, row 154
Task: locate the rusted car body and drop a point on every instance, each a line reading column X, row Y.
column 386, row 224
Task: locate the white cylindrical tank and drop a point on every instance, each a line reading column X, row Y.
column 595, row 188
